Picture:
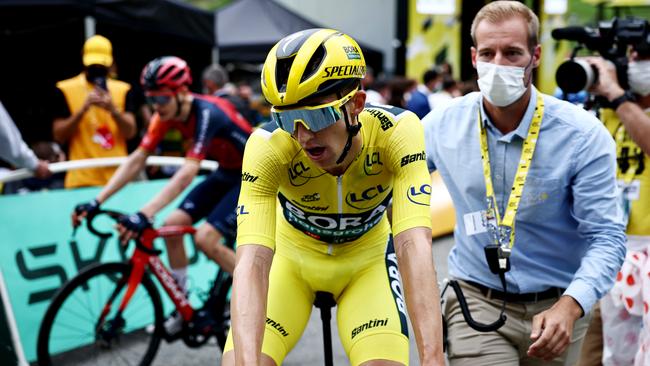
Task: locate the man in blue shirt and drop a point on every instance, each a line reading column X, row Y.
column 560, row 229
column 418, row 102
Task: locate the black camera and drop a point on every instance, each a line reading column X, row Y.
column 611, row 40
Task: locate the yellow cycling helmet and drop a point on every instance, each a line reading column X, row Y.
column 310, row 64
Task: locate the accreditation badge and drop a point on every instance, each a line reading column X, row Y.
column 474, row 223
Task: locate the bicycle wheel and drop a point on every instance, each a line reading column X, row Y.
column 72, row 334
column 222, row 308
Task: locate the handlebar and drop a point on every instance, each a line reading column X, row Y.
column 148, row 234
column 91, row 218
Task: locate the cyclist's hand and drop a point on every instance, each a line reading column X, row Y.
column 131, row 226
column 83, row 210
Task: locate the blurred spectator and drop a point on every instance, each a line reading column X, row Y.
column 93, row 114
column 401, row 89
column 449, row 91
column 418, row 102
column 377, row 89
column 445, row 68
column 379, row 92
column 369, row 79
column 45, row 151
column 245, row 92
column 14, row 150
column 468, row 86
column 215, row 82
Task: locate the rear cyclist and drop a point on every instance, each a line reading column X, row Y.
column 315, row 186
column 217, row 131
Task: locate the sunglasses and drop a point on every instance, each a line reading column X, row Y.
column 158, row 98
column 313, row 118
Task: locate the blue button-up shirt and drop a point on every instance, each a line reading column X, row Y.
column 568, row 229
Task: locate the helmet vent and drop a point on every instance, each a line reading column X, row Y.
column 314, row 63
column 282, row 69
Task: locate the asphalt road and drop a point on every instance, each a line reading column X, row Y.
column 309, row 350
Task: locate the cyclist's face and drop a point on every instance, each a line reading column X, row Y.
column 164, row 102
column 325, row 146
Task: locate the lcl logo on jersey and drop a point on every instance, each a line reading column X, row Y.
column 419, row 195
column 361, row 200
column 373, row 165
column 296, row 171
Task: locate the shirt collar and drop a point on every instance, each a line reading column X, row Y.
column 524, row 124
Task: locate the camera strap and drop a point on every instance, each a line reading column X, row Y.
column 502, row 229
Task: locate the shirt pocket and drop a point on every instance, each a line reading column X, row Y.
column 541, row 199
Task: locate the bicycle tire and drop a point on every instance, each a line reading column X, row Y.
column 222, row 333
column 221, row 306
column 83, row 297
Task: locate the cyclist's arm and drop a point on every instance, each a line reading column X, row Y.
column 411, row 226
column 181, row 179
column 415, row 260
column 250, row 289
column 256, row 225
column 124, row 174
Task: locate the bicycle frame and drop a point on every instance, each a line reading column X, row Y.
column 146, row 256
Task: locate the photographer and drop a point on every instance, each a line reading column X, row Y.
column 93, row 114
column 622, row 310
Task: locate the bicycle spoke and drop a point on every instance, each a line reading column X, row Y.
column 73, row 333
column 79, row 330
column 71, row 312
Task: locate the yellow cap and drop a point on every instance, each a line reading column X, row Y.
column 98, row 51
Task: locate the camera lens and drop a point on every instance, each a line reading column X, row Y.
column 575, row 75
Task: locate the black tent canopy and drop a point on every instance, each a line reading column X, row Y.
column 247, row 29
column 41, row 42
column 169, row 17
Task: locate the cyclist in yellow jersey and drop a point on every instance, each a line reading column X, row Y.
column 316, row 183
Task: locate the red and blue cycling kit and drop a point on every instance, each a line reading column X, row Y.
column 217, row 132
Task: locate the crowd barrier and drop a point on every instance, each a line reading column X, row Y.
column 38, row 253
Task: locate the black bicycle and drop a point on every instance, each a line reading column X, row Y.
column 112, row 313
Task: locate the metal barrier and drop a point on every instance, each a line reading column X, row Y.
column 100, row 163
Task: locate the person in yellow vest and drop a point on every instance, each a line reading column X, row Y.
column 621, row 334
column 93, row 115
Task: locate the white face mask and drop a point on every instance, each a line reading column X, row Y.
column 638, row 75
column 500, row 85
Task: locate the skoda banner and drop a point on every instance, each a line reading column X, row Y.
column 39, row 253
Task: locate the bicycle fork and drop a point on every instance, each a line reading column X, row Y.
column 105, row 330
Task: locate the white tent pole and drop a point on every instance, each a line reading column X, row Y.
column 90, row 26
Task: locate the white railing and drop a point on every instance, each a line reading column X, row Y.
column 102, row 162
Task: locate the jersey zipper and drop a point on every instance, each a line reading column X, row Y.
column 339, row 189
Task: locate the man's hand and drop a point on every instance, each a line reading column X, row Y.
column 552, row 329
column 131, row 226
column 82, row 210
column 102, row 99
column 42, row 170
column 607, row 85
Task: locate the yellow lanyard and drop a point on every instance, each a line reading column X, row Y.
column 503, row 230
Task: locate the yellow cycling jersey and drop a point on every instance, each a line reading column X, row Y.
column 633, row 174
column 279, row 179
